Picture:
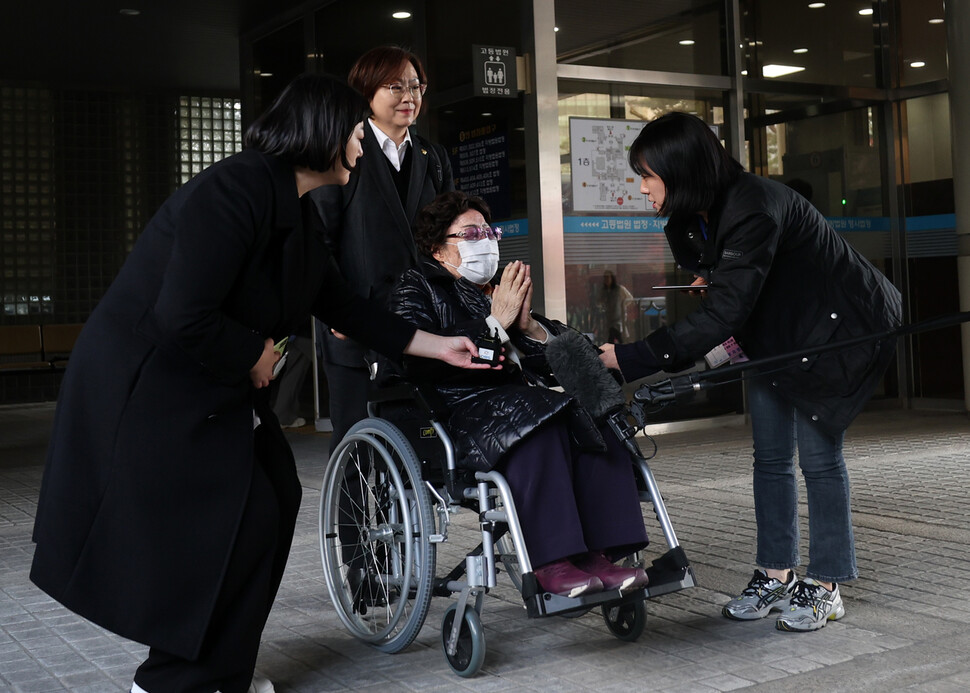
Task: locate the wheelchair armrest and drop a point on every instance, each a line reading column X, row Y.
column 427, row 398
column 400, row 392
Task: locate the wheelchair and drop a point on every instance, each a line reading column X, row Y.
column 386, row 501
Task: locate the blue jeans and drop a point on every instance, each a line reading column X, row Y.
column 777, row 427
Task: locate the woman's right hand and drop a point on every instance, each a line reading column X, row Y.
column 508, row 296
column 608, row 356
column 262, row 373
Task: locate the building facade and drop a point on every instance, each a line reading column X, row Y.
column 536, row 102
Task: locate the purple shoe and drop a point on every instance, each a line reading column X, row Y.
column 566, row 580
column 612, row 576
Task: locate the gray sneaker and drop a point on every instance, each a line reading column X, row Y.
column 762, row 596
column 812, row 606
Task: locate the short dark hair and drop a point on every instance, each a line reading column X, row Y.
column 381, row 65
column 309, row 123
column 687, row 156
column 433, row 220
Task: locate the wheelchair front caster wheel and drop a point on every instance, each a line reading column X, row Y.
column 470, row 653
column 626, row 621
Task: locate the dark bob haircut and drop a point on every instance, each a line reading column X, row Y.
column 434, row 219
column 681, row 149
column 380, row 66
column 309, row 123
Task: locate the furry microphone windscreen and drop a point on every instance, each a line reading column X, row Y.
column 576, row 365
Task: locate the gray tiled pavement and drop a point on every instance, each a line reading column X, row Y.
column 905, row 628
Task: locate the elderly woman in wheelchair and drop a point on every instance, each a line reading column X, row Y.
column 573, row 487
column 555, row 492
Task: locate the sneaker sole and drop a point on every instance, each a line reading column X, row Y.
column 789, row 628
column 752, row 616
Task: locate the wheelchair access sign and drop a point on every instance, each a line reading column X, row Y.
column 493, row 70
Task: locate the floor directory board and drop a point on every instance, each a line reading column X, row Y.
column 601, row 173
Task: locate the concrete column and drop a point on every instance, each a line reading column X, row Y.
column 957, row 15
column 545, row 185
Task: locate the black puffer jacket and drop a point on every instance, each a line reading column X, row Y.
column 780, row 280
column 490, row 410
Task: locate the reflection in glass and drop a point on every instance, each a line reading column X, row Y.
column 671, row 36
column 834, row 42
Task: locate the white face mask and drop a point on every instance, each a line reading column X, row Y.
column 479, row 260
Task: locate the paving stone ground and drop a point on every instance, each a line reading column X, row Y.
column 905, row 628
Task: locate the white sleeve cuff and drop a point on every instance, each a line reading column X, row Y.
column 494, row 326
column 544, row 339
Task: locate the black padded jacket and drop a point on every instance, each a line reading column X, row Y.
column 780, row 280
column 489, row 410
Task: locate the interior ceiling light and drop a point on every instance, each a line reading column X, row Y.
column 936, row 20
column 686, row 42
column 772, row 71
column 403, row 14
column 816, row 5
column 800, row 50
column 555, row 28
column 486, row 114
column 128, row 12
column 917, row 63
column 866, row 11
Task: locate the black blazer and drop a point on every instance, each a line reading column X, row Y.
column 151, row 454
column 369, row 230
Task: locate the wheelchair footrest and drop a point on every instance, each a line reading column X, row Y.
column 549, row 604
column 670, row 573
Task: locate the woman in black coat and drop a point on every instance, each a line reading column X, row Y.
column 170, row 494
column 576, row 501
column 779, row 279
column 368, row 222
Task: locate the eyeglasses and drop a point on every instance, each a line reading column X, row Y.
column 477, row 233
column 397, row 90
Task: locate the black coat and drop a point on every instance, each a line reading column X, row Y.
column 780, row 280
column 490, row 410
column 369, row 230
column 151, row 454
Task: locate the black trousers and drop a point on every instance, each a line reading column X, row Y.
column 228, row 655
column 349, row 387
column 570, row 501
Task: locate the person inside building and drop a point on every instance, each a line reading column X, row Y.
column 614, row 299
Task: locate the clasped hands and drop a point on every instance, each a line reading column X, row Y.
column 512, row 301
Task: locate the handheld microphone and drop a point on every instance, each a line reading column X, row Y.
column 575, row 362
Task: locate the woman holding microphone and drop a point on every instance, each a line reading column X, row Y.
column 779, row 279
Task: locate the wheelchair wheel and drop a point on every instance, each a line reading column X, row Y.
column 470, row 654
column 376, row 521
column 626, row 621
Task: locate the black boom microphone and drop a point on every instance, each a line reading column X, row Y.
column 575, row 362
